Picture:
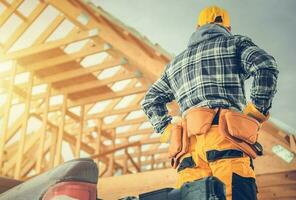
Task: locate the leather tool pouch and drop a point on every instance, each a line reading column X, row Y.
column 240, row 139
column 175, row 141
column 199, row 120
column 242, row 126
column 181, row 147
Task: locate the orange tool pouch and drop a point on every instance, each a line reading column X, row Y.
column 199, row 120
column 179, row 143
column 241, row 130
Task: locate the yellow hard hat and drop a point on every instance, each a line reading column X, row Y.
column 210, row 14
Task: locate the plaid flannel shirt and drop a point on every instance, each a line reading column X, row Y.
column 211, row 73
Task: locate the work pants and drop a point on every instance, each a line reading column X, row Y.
column 211, row 155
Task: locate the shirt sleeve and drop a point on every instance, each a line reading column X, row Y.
column 263, row 68
column 154, row 103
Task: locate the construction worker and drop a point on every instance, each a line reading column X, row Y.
column 207, row 82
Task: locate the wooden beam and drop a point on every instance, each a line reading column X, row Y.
column 23, row 27
column 68, row 137
column 128, row 185
column 79, row 136
column 133, row 162
column 124, row 122
column 136, row 132
column 115, row 149
column 50, row 29
column 13, row 149
column 64, row 58
column 98, row 139
column 4, row 126
column 114, row 112
column 151, row 67
column 83, row 71
column 43, row 132
column 20, row 151
column 96, row 83
column 61, row 132
column 9, row 11
column 31, row 51
column 110, row 95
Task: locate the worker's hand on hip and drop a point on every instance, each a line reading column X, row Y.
column 253, row 112
column 166, row 135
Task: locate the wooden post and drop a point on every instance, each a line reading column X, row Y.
column 152, row 162
column 43, row 132
column 79, row 136
column 22, row 141
column 98, row 140
column 52, row 151
column 57, row 160
column 111, row 157
column 4, row 125
column 139, row 157
column 125, row 162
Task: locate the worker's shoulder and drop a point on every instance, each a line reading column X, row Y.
column 179, row 58
column 241, row 39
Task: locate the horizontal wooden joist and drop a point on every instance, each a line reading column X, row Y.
column 30, row 51
column 151, row 67
column 66, row 58
column 124, row 123
column 113, row 112
column 9, row 11
column 96, row 83
column 83, row 71
column 135, row 132
column 117, row 148
column 110, row 95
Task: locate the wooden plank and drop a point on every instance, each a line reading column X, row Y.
column 133, row 162
column 61, row 132
column 136, row 132
column 83, row 71
column 111, row 164
column 11, row 150
column 79, row 136
column 43, row 132
column 35, row 49
column 151, row 67
column 128, row 185
column 20, row 152
column 110, row 95
column 16, row 12
column 134, row 184
column 50, row 29
column 95, row 83
column 117, row 148
column 98, row 139
column 124, row 122
column 114, row 112
column 64, row 58
column 14, row 37
column 4, row 125
column 9, row 11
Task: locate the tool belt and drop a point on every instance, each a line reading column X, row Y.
column 240, row 129
column 179, row 143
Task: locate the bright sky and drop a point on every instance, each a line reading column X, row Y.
column 270, row 23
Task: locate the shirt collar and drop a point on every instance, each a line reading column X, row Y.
column 207, row 32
